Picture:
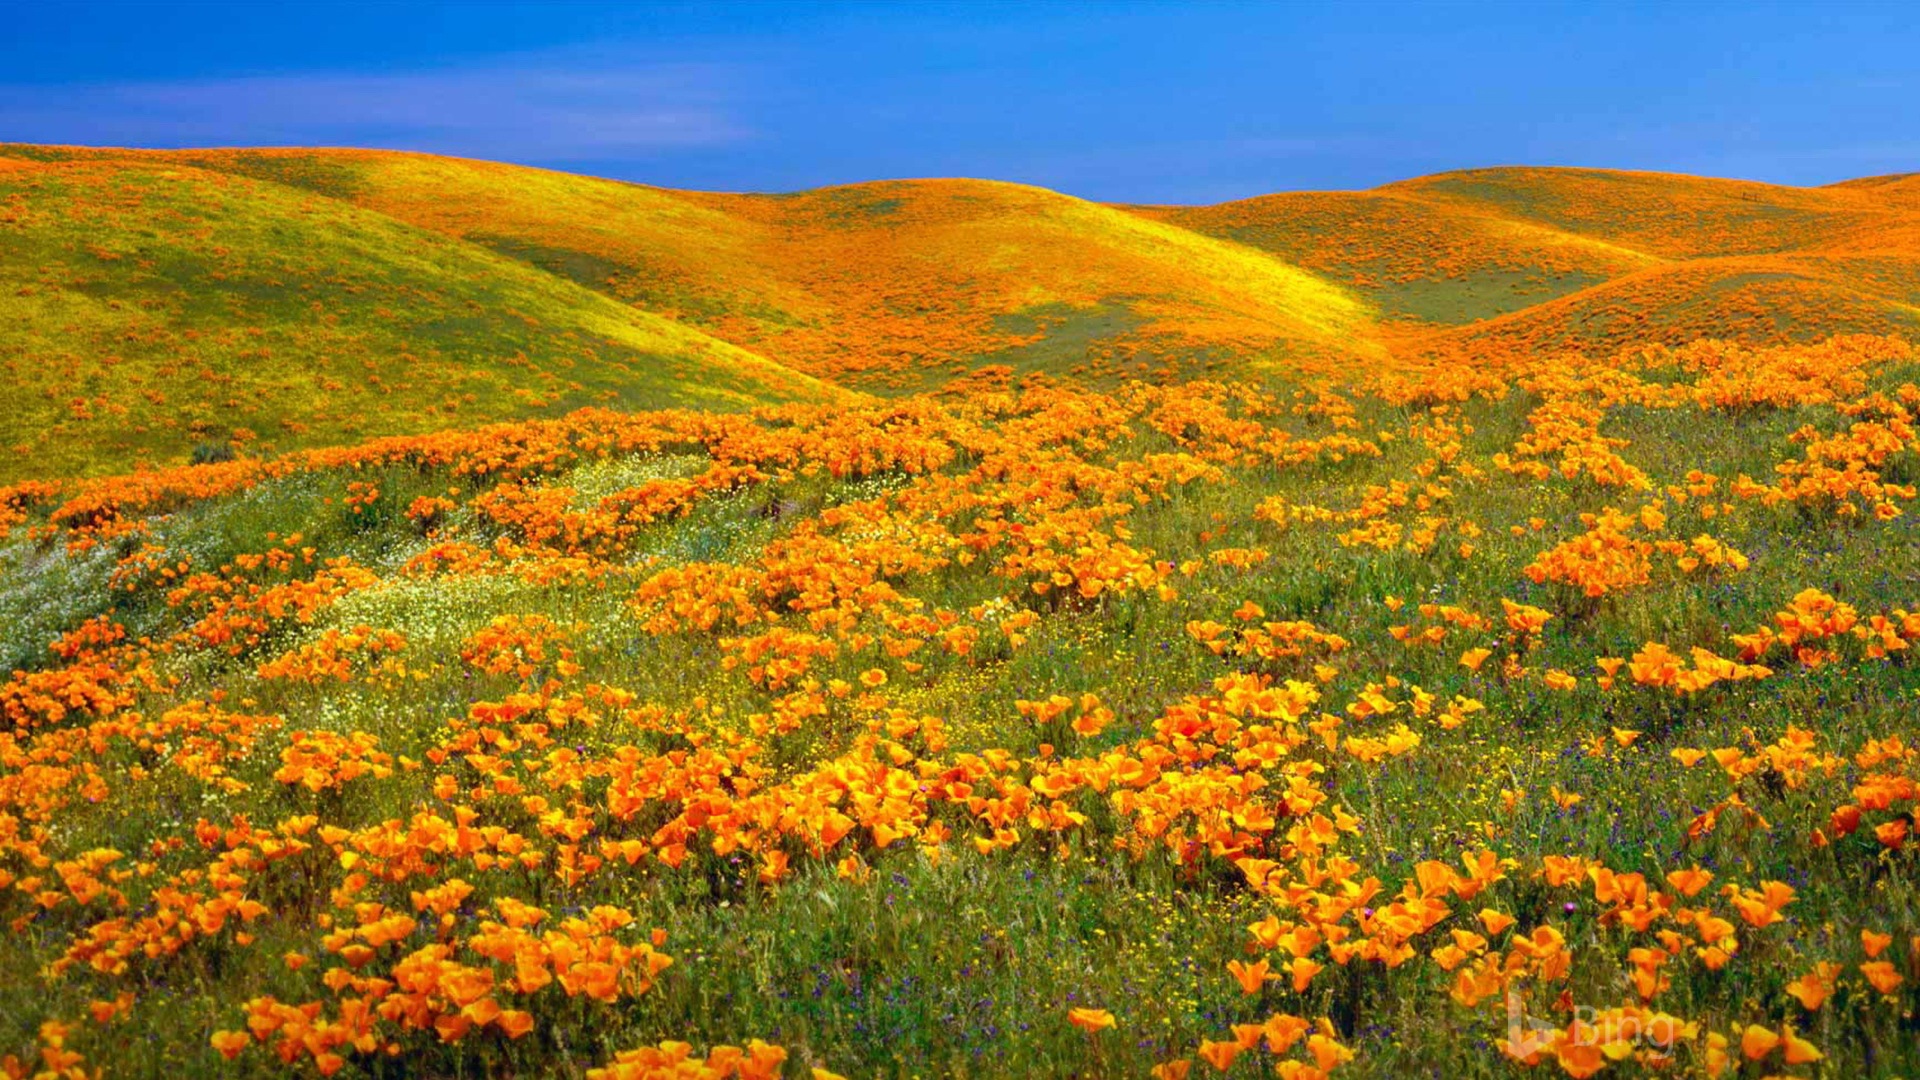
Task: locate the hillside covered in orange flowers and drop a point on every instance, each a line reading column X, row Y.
column 884, row 287
column 1523, row 259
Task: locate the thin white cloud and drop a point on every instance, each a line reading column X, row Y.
column 550, row 107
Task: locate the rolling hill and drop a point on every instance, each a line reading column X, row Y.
column 1515, row 260
column 1420, row 261
column 889, row 285
column 148, row 308
column 159, row 301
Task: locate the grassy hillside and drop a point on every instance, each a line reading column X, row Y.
column 1663, row 214
column 896, row 286
column 1421, row 261
column 1766, row 299
column 149, row 308
column 950, row 271
column 1902, row 190
column 1012, row 730
column 1505, row 262
column 887, row 286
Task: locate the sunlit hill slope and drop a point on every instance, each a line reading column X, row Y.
column 873, row 283
column 1521, row 259
column 150, row 307
column 159, row 302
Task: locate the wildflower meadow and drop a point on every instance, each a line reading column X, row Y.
column 460, row 620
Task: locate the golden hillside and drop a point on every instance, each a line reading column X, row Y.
column 888, row 285
column 149, row 307
column 440, row 281
column 1517, row 259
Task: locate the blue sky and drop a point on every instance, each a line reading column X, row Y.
column 1131, row 102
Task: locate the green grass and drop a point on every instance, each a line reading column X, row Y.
column 1482, row 295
